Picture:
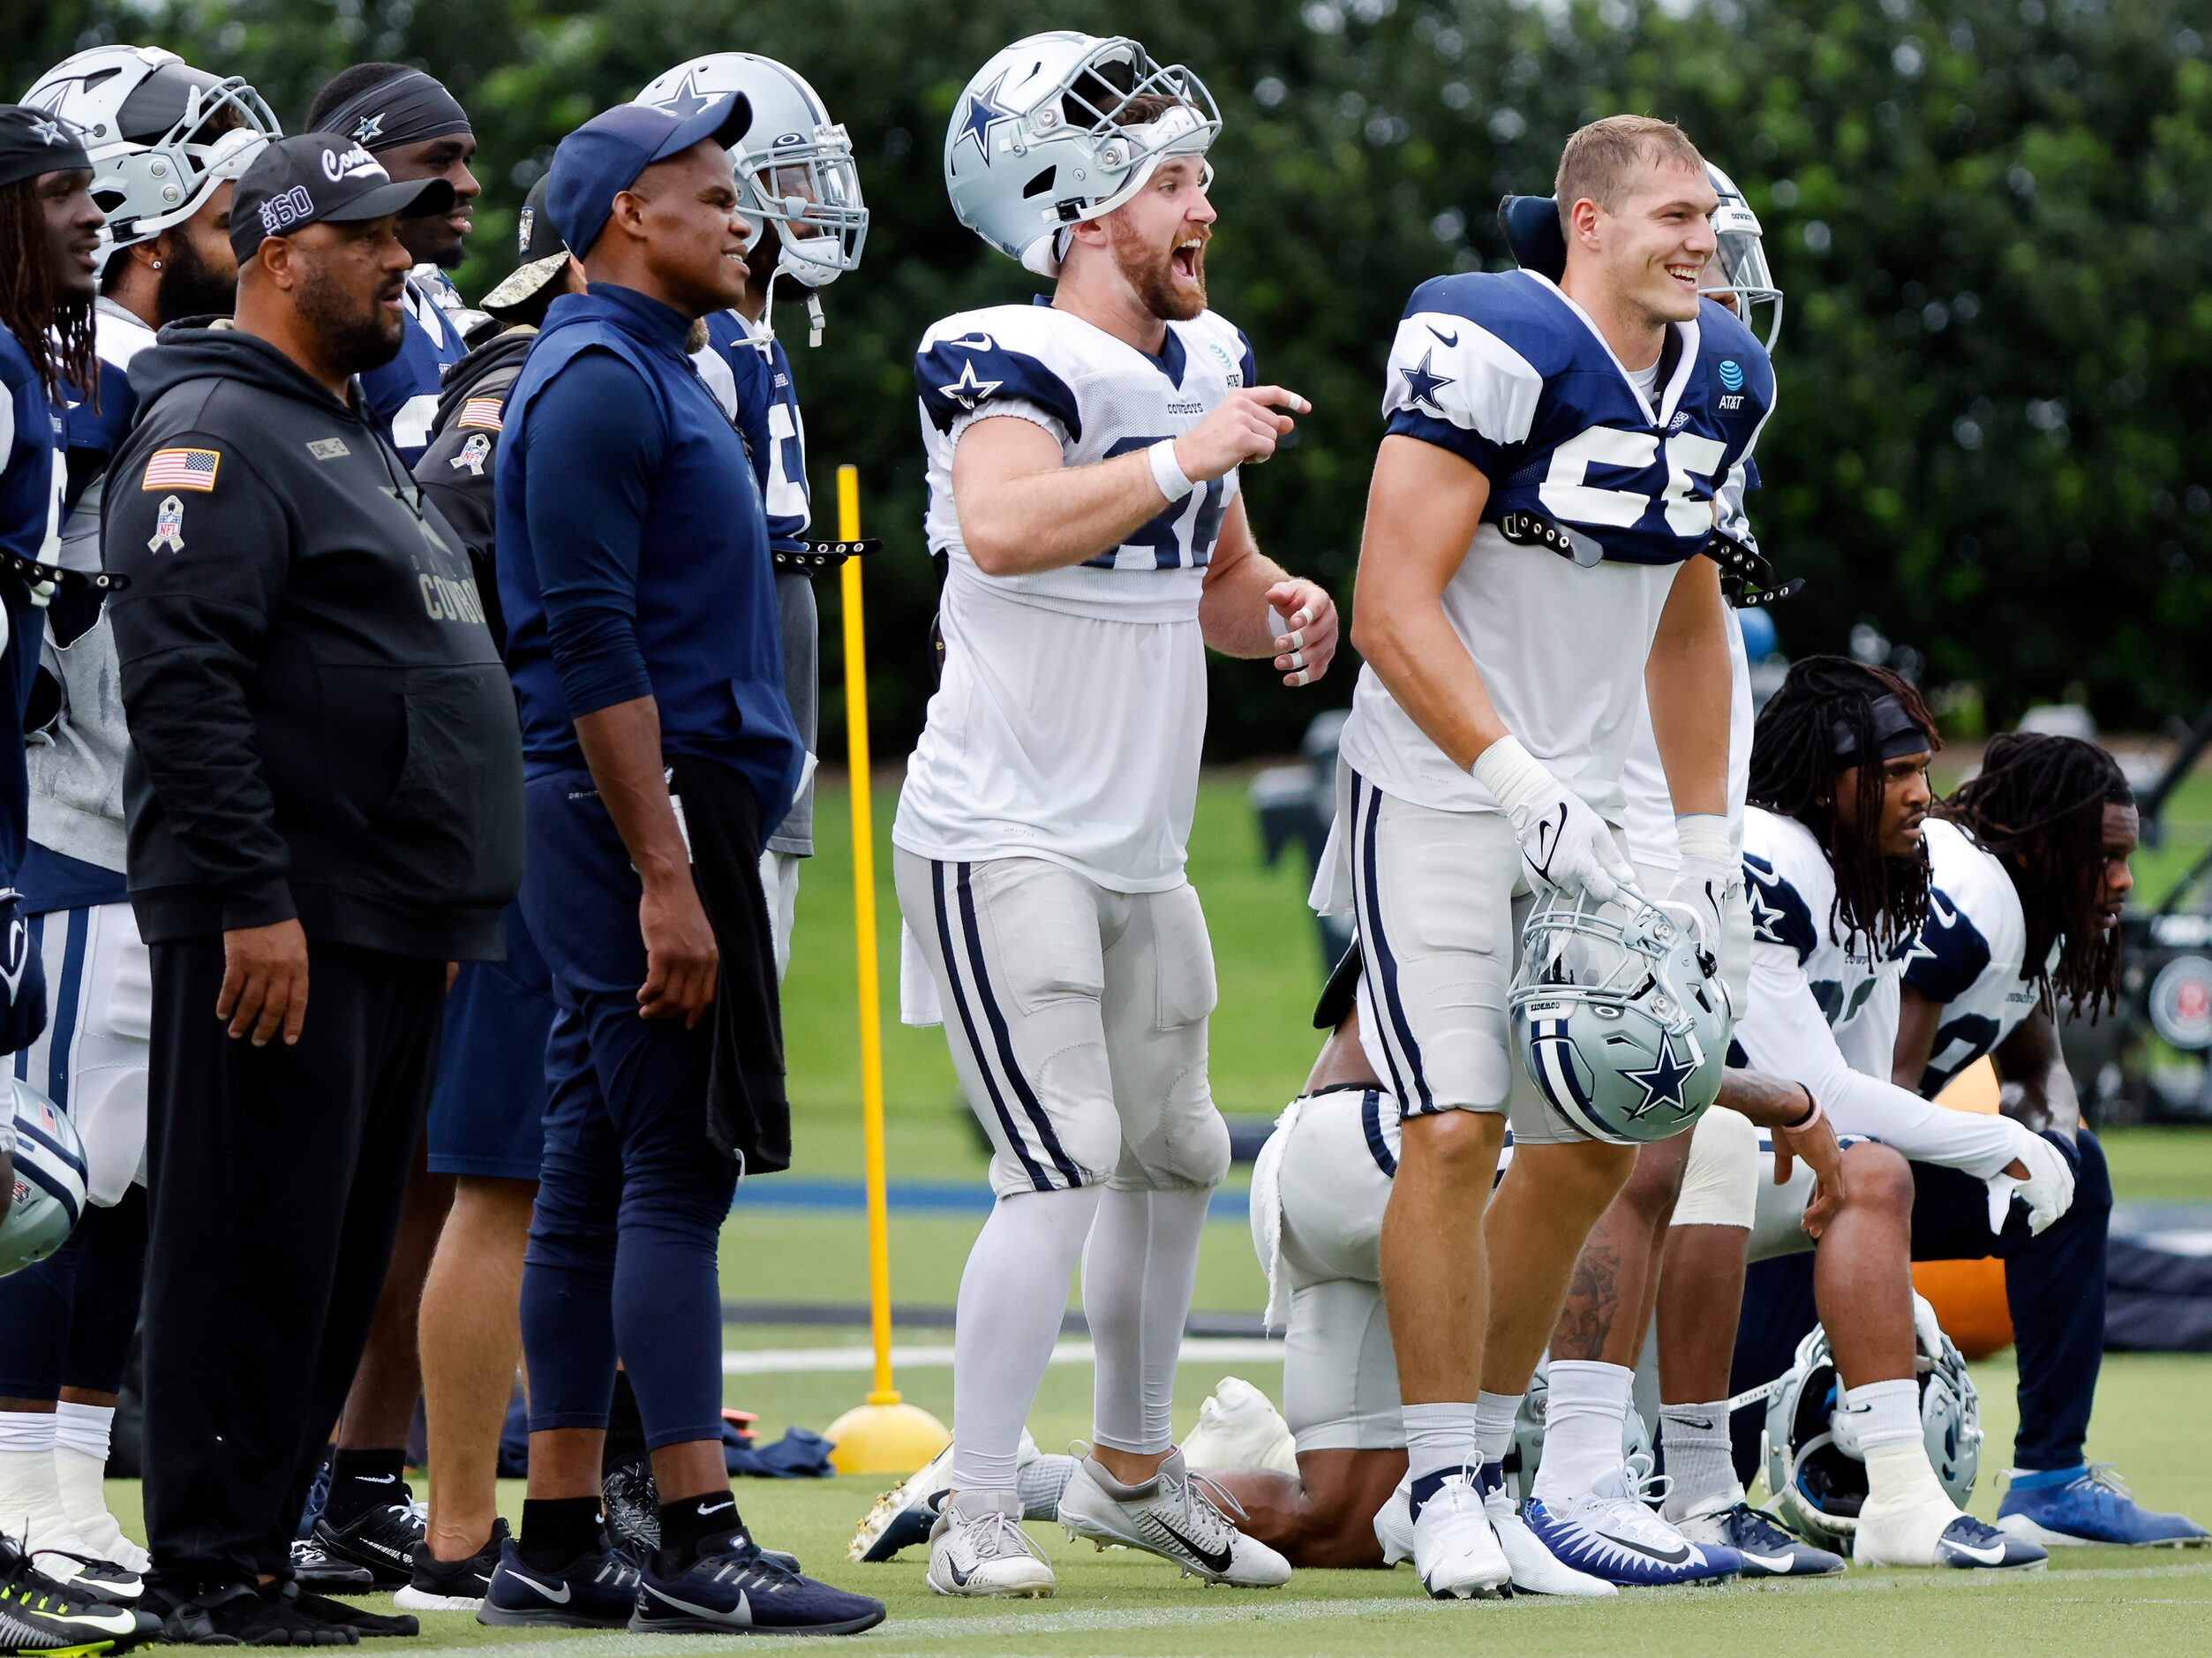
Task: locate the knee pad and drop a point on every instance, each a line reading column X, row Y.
column 1720, row 1183
column 1189, row 1149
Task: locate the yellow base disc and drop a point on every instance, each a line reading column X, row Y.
column 884, row 1439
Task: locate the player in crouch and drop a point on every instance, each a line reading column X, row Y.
column 1083, row 464
column 1482, row 759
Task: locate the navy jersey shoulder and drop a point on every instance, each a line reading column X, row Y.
column 1780, row 914
column 30, row 471
column 404, row 392
column 95, row 428
column 967, row 360
column 765, row 408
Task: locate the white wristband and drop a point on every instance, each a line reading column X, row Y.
column 1703, row 836
column 1167, row 471
column 1511, row 773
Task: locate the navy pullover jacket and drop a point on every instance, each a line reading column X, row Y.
column 633, row 551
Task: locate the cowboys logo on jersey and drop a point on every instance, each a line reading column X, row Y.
column 1099, row 397
column 1969, row 952
column 1792, row 891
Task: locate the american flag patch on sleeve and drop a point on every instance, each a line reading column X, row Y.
column 182, row 469
column 483, row 411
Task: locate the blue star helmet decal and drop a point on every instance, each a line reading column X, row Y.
column 1422, row 383
column 1662, row 1084
column 985, row 112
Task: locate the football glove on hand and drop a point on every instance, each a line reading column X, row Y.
column 2048, row 1191
column 1707, row 876
column 22, row 979
column 1567, row 846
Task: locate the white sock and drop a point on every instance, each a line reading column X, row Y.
column 1439, row 1438
column 1013, row 1294
column 1495, row 1415
column 30, row 1493
column 1881, row 1413
column 1039, row 1483
column 1581, row 1427
column 82, row 1434
column 1138, row 1270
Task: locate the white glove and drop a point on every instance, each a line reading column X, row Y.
column 2048, row 1191
column 1707, row 874
column 1567, row 846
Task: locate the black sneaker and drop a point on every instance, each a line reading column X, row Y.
column 88, row 1577
column 595, row 1591
column 37, row 1617
column 632, row 1502
column 453, row 1586
column 242, row 1616
column 313, row 1569
column 382, row 1539
column 319, row 1609
column 736, row 1590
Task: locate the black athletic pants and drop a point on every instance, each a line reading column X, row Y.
column 276, row 1176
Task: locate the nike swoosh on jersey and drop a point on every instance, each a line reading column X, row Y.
column 559, row 1597
column 1212, row 1559
column 741, row 1613
column 1448, row 339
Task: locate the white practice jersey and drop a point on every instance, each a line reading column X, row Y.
column 1648, row 823
column 1069, row 720
column 1507, row 372
column 1823, row 1009
column 1971, row 953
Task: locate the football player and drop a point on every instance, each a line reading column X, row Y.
column 2027, row 874
column 1084, row 458
column 1838, row 883
column 415, row 129
column 170, row 143
column 802, row 196
column 1598, row 415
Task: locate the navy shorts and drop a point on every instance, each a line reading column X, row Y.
column 488, row 1113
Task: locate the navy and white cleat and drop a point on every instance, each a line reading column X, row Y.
column 738, row 1590
column 1915, row 1537
column 903, row 1515
column 596, row 1591
column 1456, row 1552
column 1767, row 1549
column 1611, row 1533
column 1536, row 1569
column 2086, row 1505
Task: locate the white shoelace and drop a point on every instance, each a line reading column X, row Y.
column 995, row 1535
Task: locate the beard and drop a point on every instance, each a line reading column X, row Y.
column 1150, row 270
column 187, row 287
column 359, row 333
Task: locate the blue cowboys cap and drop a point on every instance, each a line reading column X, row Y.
column 603, row 157
column 34, row 143
column 322, row 178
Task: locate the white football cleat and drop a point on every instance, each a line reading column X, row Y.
column 901, row 1517
column 1455, row 1551
column 1536, row 1569
column 1934, row 1532
column 987, row 1554
column 1394, row 1522
column 1238, row 1427
column 1179, row 1517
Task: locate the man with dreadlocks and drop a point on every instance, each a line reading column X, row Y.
column 1837, row 883
column 2027, row 871
column 49, row 235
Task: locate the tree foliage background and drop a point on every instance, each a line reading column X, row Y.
column 1993, row 219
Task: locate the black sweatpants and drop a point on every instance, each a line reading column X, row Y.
column 276, row 1176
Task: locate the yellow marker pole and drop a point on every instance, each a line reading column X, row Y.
column 885, row 1435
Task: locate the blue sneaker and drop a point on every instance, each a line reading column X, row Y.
column 1613, row 1536
column 2089, row 1505
column 736, row 1589
column 596, row 1591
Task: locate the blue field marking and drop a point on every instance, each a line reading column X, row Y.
column 944, row 1197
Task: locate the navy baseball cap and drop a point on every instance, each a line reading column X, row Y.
column 603, row 157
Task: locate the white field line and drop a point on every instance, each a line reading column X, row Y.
column 796, row 1361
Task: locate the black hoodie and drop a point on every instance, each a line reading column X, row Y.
column 320, row 725
column 456, row 465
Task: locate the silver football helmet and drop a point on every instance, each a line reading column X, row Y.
column 1814, row 1467
column 1620, row 1016
column 48, row 1194
column 161, row 135
column 1033, row 146
column 1738, row 266
column 795, row 165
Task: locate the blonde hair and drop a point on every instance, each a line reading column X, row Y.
column 1601, row 160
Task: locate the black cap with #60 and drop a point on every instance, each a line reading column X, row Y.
column 322, row 178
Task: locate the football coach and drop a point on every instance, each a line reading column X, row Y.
column 640, row 600
column 324, row 797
